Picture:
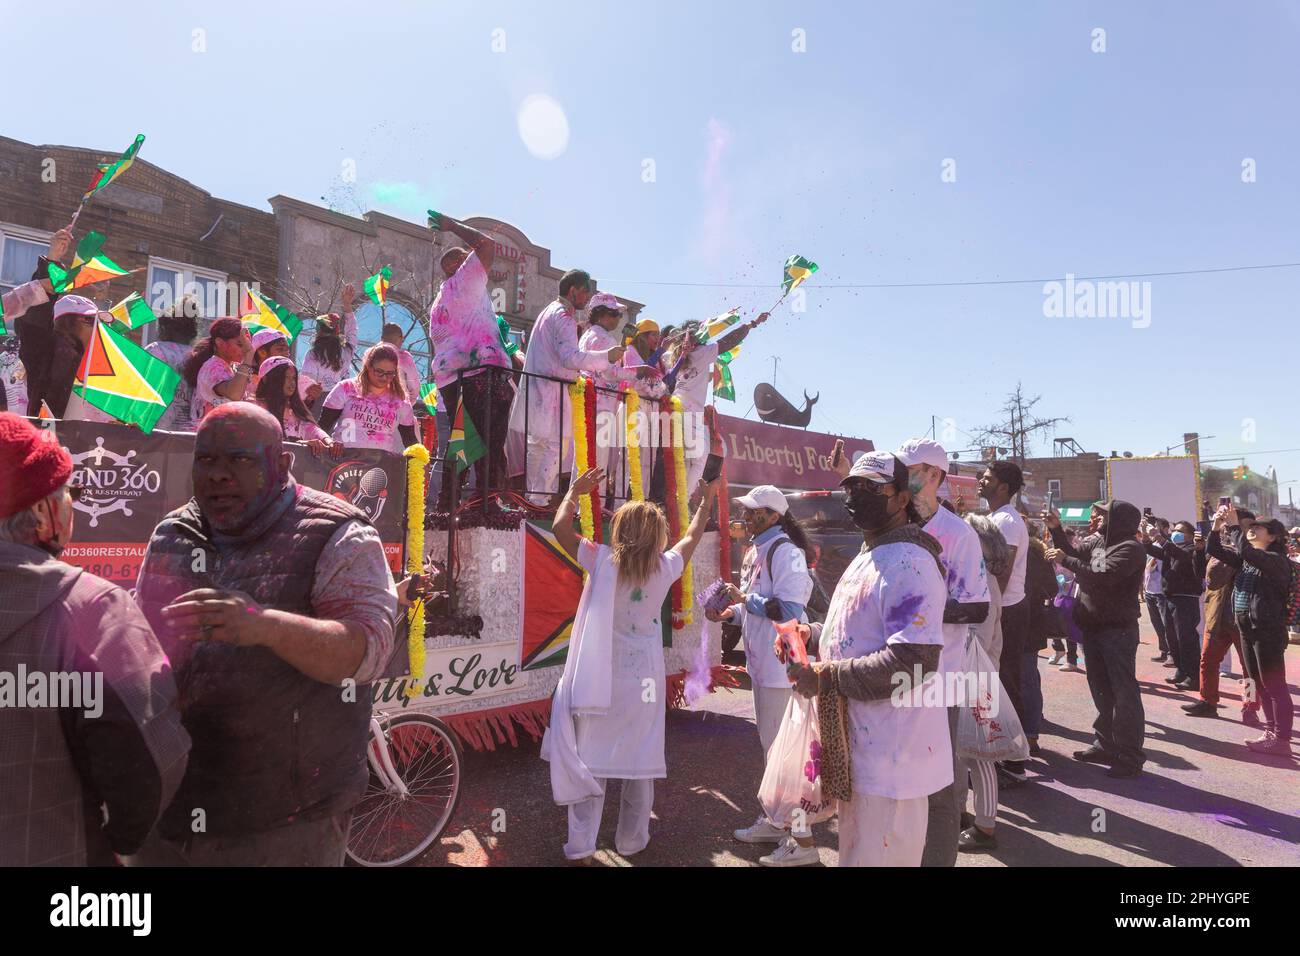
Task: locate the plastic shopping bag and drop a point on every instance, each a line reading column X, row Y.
column 988, row 727
column 791, row 791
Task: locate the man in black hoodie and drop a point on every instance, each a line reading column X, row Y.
column 1108, row 568
column 1182, row 579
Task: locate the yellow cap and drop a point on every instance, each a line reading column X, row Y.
column 647, row 325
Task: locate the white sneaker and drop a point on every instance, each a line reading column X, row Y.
column 1067, row 666
column 1056, row 657
column 790, row 853
column 761, row 832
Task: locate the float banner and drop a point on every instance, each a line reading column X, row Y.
column 455, row 674
column 129, row 481
column 790, row 458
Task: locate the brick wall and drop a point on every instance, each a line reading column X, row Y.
column 149, row 212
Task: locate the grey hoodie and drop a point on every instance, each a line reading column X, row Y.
column 121, row 746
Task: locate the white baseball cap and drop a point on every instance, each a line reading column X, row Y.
column 266, row 336
column 74, row 305
column 603, row 300
column 880, row 467
column 765, row 496
column 923, row 451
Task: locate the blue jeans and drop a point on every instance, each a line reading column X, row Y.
column 1112, row 680
column 1156, row 612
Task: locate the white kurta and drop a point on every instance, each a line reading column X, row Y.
column 541, row 412
column 609, row 423
column 628, row 741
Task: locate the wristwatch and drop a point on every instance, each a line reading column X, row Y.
column 242, row 369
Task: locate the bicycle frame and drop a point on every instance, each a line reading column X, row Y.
column 381, row 760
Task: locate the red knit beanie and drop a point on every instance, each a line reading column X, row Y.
column 33, row 465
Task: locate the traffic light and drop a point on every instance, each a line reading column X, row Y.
column 1239, row 473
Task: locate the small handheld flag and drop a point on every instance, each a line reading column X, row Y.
column 464, row 446
column 260, row 311
column 377, row 286
column 110, row 171
column 797, row 268
column 435, row 219
column 429, row 395
column 723, row 386
column 89, row 266
column 120, row 378
column 132, row 312
column 711, row 329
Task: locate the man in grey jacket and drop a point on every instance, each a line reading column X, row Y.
column 88, row 714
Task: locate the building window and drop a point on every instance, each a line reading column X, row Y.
column 1054, row 488
column 170, row 281
column 19, row 251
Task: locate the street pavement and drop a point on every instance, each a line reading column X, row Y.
column 1204, row 800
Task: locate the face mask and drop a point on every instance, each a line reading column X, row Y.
column 1178, row 537
column 868, row 511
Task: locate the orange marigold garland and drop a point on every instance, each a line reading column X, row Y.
column 632, row 425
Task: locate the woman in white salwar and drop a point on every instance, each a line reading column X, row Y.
column 607, row 715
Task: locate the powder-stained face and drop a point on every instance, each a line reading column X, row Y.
column 239, row 466
column 290, row 382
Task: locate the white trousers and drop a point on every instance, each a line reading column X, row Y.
column 546, row 462
column 633, row 833
column 983, row 775
column 769, row 709
column 882, row 831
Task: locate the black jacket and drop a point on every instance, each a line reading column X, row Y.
column 37, row 339
column 1182, row 567
column 1107, row 569
column 1266, row 609
column 1040, row 590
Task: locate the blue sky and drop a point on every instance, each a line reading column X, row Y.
column 1127, row 161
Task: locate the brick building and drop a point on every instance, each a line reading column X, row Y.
column 320, row 249
column 184, row 240
column 181, row 238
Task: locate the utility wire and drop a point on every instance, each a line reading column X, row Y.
column 970, row 282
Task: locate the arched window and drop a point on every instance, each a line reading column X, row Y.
column 370, row 324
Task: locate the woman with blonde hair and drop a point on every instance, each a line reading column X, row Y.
column 371, row 410
column 607, row 715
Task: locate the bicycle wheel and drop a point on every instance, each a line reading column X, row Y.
column 389, row 829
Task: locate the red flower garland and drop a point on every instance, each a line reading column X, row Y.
column 597, row 510
column 724, row 526
column 670, row 497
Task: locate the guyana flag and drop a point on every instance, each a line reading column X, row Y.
column 377, row 285
column 122, row 379
column 3, row 330
column 552, row 588
column 89, row 265
column 464, row 445
column 723, row 386
column 429, row 395
column 110, row 171
column 507, row 342
column 797, row 268
column 132, row 312
column 258, row 311
column 711, row 329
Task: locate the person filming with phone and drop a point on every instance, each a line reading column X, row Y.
column 1259, row 603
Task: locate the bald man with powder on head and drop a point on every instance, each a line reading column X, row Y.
column 276, row 605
